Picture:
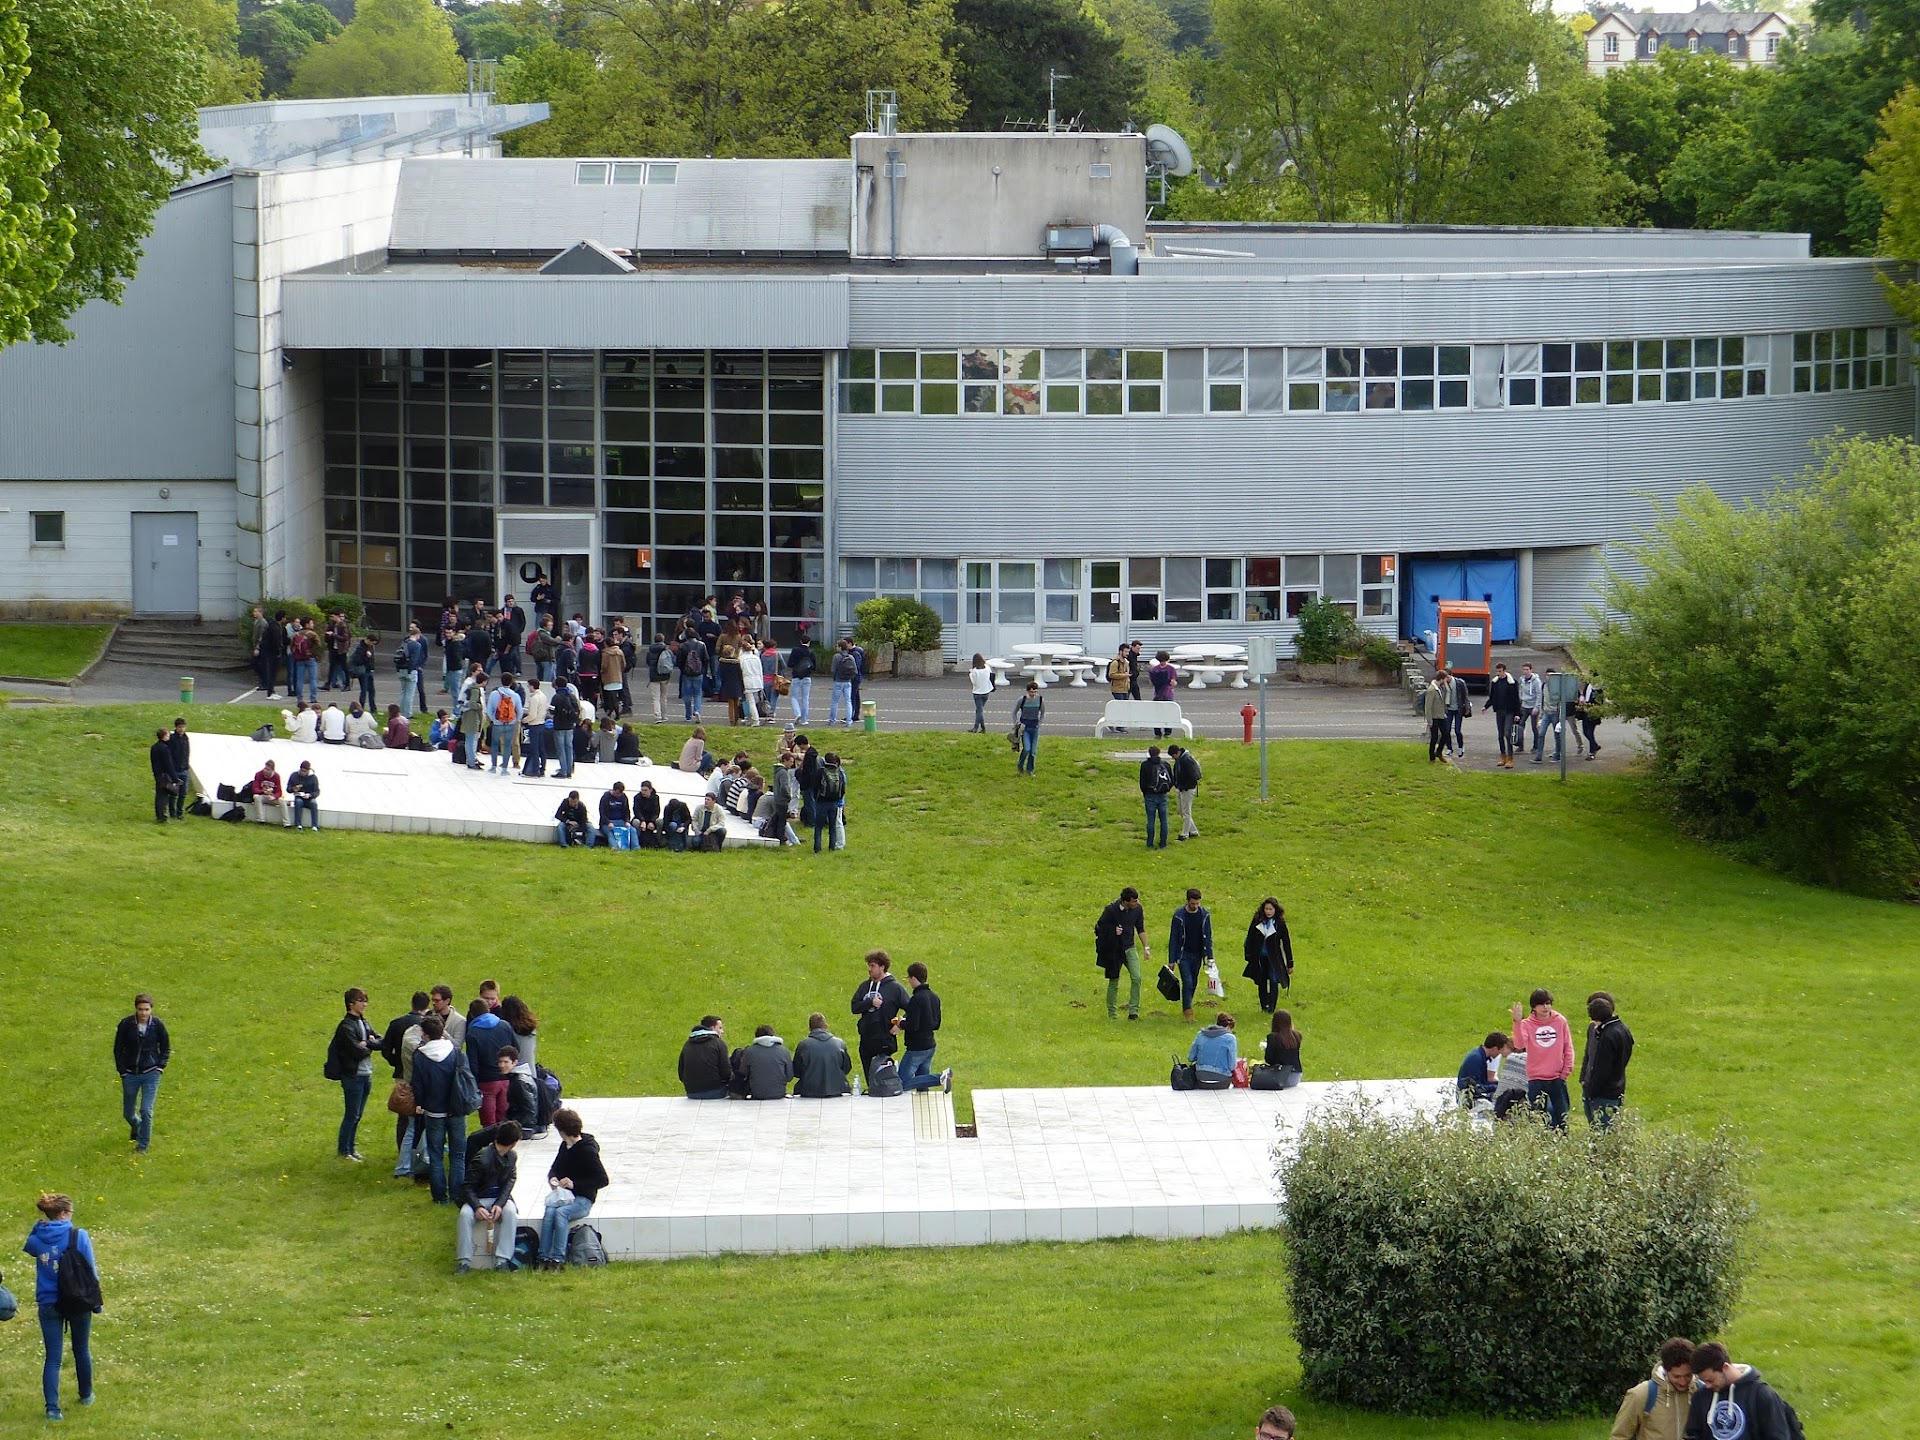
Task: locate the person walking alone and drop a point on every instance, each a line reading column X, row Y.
column 51, row 1237
column 1269, row 953
column 980, row 678
column 141, row 1049
column 1028, row 711
column 1120, row 942
column 1190, row 947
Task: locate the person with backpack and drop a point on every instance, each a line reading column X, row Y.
column 1587, row 710
column 66, row 1291
column 693, row 671
column 830, row 803
column 1734, row 1403
column 1186, row 785
column 1156, row 782
column 444, row 1094
column 350, row 1061
column 800, row 667
column 1656, row 1408
column 540, row 649
column 503, row 716
column 1028, row 711
column 473, row 715
column 563, row 714
column 660, row 669
column 1119, row 941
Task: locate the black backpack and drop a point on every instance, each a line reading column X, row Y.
column 691, row 661
column 77, row 1289
column 833, row 783
column 401, row 664
column 1160, row 779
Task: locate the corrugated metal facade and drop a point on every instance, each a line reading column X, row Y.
column 481, row 310
column 145, row 388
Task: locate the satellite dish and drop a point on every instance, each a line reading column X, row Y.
column 1166, row 148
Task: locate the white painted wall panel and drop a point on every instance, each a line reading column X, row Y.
column 94, row 570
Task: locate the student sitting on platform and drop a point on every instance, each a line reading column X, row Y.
column 763, row 1069
column 615, row 811
column 573, row 822
column 626, row 747
column 333, row 725
column 487, row 1199
column 1213, row 1053
column 399, row 734
column 676, row 822
column 692, row 752
column 440, row 734
column 710, row 825
column 646, row 814
column 302, row 722
column 303, row 786
column 705, row 1068
column 574, row 1182
column 269, row 790
column 1511, row 1092
column 1478, row 1077
column 821, row 1063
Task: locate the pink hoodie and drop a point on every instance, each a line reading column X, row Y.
column 1549, row 1046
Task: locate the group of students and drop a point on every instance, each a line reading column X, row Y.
column 1531, row 1066
column 1516, row 703
column 808, row 786
column 1120, row 943
column 887, row 1016
column 447, row 1066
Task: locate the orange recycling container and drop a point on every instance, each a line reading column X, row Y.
column 1465, row 632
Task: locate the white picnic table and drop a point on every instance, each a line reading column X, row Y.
column 1210, row 664
column 1043, row 661
column 1000, row 669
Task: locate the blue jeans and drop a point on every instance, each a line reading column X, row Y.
column 917, row 1072
column 81, row 1329
column 980, row 713
column 144, row 1088
column 1600, row 1111
column 446, row 1142
column 543, row 671
column 1156, row 810
column 536, row 750
column 826, row 820
column 501, row 746
column 842, row 696
column 336, row 669
column 413, row 695
column 563, row 1208
column 690, row 696
column 1190, row 968
column 365, row 681
column 353, row 1094
column 310, row 808
column 802, row 697
column 1456, row 722
column 407, row 1137
column 563, row 751
column 1550, row 1097
column 1029, row 747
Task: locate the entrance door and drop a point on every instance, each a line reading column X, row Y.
column 166, row 563
column 997, row 608
column 1106, row 623
column 567, row 574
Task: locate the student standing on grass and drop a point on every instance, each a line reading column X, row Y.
column 1269, row 953
column 391, row 1039
column 141, row 1049
column 879, row 998
column 443, row 1124
column 181, row 749
column 1603, row 1068
column 1656, row 1408
column 1028, row 711
column 1119, row 939
column 49, row 1239
column 830, row 803
column 918, row 1028
column 1190, row 946
column 1156, row 779
column 350, row 1061
column 1734, row 1403
column 160, row 758
column 1543, row 1032
column 1186, row 785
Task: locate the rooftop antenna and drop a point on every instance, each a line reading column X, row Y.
column 1054, row 77
column 883, row 111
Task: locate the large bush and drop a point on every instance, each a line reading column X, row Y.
column 1328, row 632
column 1771, row 649
column 1439, row 1267
column 897, row 620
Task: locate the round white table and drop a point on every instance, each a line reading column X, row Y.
column 1207, row 664
column 1038, row 657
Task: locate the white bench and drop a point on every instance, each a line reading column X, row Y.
column 1142, row 715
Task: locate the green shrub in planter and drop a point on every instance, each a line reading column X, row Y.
column 1439, row 1268
column 1326, row 633
column 899, row 620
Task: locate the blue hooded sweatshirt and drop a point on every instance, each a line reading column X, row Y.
column 487, row 1035
column 46, row 1242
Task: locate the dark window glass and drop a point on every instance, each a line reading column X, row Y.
column 427, row 520
column 470, row 489
column 524, row 458
column 679, row 495
column 680, row 529
column 626, row 460
column 475, row 557
column 469, row 455
column 625, row 494
column 679, row 393
column 626, row 425
column 1520, row 392
column 1342, row 364
column 426, row 419
column 1416, row 360
column 1378, row 362
column 737, row 392
column 380, row 517
column 570, row 425
column 379, row 417
column 809, row 498
column 737, row 496
column 343, row 516
column 738, row 429
column 570, row 459
column 796, row 430
column 1556, row 390
column 628, row 597
column 342, row 481
column 796, row 464
column 470, row 420
column 1556, row 359
column 679, row 460
column 1586, row 356
column 426, row 554
column 573, row 491
column 522, row 424
column 522, row 490
column 740, row 531
column 1416, row 394
column 680, row 429
column 738, row 464
column 680, row 564
column 624, row 528
column 380, row 452
column 340, row 450
column 380, row 484
column 739, row 567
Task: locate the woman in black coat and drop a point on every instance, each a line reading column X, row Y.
column 1269, row 952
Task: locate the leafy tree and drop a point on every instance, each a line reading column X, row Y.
column 1653, row 113
column 1895, row 178
column 36, row 232
column 119, row 83
column 1407, row 111
column 1149, row 39
column 277, row 37
column 1003, row 50
column 493, row 32
column 1765, row 646
column 725, row 77
column 391, row 47
column 231, row 77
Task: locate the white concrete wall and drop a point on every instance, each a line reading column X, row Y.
column 92, row 574
column 282, row 223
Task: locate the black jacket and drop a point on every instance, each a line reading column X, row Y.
column 1156, row 776
column 180, row 747
column 1116, row 931
column 1186, row 772
column 1763, row 1414
column 396, row 1032
column 704, row 1063
column 810, row 769
column 1603, row 1069
column 580, row 1163
column 352, row 1042
column 923, row 1019
column 821, row 1065
column 433, row 1084
column 490, row 1177
column 614, row 809
column 876, row 1021
column 800, row 662
column 134, row 1054
column 160, row 757
column 1503, row 696
column 1268, row 954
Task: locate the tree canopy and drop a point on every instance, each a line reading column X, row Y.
column 390, row 47
column 277, row 37
column 230, row 76
column 1003, row 50
column 1765, row 646
column 36, row 231
column 119, row 83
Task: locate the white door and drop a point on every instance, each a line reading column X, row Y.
column 997, row 607
column 1106, row 621
column 166, row 562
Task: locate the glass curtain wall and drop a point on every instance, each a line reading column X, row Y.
column 708, row 468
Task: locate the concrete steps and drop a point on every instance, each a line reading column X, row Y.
column 185, row 645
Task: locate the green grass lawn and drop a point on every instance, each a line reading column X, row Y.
column 257, row 1286
column 49, row 652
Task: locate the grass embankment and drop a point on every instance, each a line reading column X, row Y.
column 49, row 652
column 257, row 1286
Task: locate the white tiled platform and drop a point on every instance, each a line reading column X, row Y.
column 716, row 1177
column 425, row 793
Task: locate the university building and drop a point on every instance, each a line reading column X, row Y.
column 373, row 356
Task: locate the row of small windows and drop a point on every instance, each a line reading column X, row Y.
column 626, row 172
column 1353, row 379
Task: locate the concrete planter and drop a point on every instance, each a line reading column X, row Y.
column 919, row 664
column 880, row 658
column 1352, row 671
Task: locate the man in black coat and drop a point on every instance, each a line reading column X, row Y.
column 918, row 1029
column 160, row 758
column 1119, row 941
column 1503, row 699
column 1603, row 1068
column 876, row 1002
column 181, row 749
column 706, row 1069
column 141, row 1049
column 391, row 1040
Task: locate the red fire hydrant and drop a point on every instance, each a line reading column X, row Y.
column 1247, row 716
